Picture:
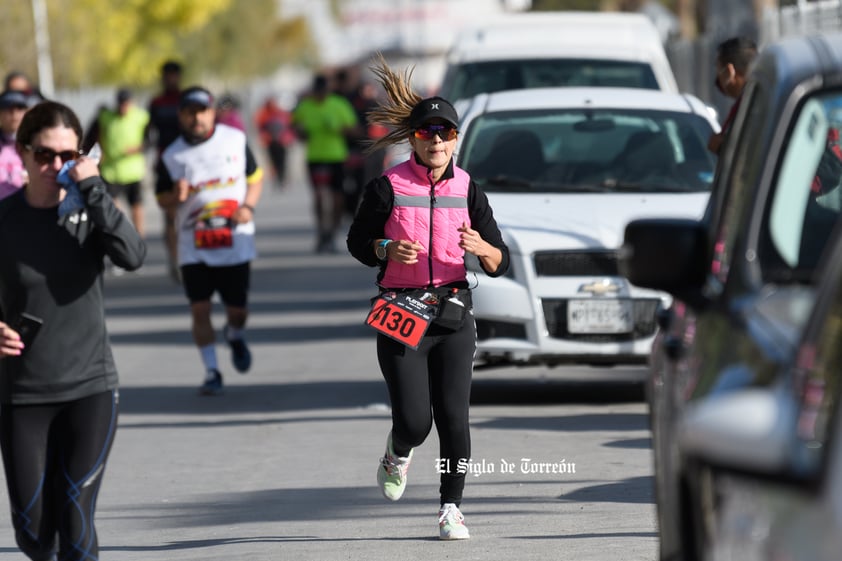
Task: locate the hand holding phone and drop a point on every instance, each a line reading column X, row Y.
column 10, row 344
column 27, row 327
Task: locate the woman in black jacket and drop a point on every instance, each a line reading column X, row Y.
column 58, row 380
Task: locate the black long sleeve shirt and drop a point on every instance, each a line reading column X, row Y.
column 46, row 272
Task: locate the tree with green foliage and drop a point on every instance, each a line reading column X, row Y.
column 249, row 39
column 110, row 42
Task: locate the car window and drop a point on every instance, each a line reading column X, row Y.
column 806, row 196
column 588, row 150
column 469, row 79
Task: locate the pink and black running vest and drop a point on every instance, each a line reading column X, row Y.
column 430, row 215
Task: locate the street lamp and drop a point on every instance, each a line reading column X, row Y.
column 42, row 45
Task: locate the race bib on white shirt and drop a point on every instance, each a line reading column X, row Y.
column 216, row 172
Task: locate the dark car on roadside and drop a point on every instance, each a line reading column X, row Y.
column 768, row 457
column 743, row 277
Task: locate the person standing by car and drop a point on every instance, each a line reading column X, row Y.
column 734, row 58
column 416, row 223
column 58, row 379
column 214, row 184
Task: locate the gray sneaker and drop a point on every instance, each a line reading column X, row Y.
column 452, row 523
column 391, row 473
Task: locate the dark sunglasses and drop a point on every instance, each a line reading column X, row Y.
column 44, row 155
column 445, row 132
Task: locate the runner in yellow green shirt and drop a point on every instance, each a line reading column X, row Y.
column 324, row 120
column 123, row 166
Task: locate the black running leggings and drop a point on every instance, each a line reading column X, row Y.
column 54, row 455
column 433, row 382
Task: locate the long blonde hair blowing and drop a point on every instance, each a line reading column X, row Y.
column 393, row 112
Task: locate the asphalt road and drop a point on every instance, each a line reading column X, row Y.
column 282, row 467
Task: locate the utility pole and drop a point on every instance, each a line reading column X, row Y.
column 687, row 19
column 42, row 44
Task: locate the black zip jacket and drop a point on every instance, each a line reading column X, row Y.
column 45, row 271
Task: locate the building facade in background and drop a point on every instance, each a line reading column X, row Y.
column 408, row 32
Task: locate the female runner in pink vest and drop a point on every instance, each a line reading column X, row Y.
column 416, row 223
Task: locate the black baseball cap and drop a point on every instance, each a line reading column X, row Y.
column 195, row 95
column 14, row 98
column 123, row 95
column 433, row 108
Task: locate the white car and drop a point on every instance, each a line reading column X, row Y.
column 569, row 48
column 525, row 50
column 565, row 169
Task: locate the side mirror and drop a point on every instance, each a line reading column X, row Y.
column 746, row 429
column 667, row 254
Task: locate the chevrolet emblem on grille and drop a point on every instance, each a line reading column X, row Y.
column 600, row 288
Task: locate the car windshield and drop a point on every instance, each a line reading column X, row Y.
column 588, row 150
column 469, row 79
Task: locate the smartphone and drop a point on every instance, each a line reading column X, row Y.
column 27, row 327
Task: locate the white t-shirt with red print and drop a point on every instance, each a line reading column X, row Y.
column 217, row 170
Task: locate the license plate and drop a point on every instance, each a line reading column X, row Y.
column 599, row 316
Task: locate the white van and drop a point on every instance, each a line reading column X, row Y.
column 551, row 49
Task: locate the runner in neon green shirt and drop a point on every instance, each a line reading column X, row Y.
column 324, row 120
column 123, row 165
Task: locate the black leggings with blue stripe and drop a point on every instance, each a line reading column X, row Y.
column 54, row 455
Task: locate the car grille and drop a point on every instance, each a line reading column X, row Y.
column 555, row 314
column 576, row 263
column 500, row 330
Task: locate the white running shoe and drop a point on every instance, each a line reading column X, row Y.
column 391, row 473
column 452, row 523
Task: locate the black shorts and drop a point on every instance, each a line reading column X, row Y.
column 163, row 183
column 133, row 191
column 200, row 281
column 332, row 175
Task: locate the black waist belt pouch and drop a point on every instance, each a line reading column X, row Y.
column 453, row 308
